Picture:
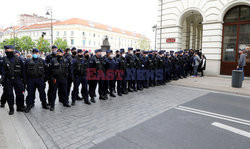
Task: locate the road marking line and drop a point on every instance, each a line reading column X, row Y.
column 216, row 114
column 232, row 129
column 211, row 115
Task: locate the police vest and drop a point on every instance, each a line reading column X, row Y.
column 60, row 70
column 12, row 69
column 151, row 63
column 80, row 69
column 138, row 62
column 161, row 62
column 35, row 70
column 122, row 64
column 99, row 63
column 131, row 61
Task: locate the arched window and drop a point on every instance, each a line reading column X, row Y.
column 236, row 36
column 237, row 14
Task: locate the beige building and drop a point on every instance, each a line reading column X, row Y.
column 27, row 19
column 80, row 33
column 219, row 27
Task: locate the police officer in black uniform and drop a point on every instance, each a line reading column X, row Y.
column 3, row 97
column 168, row 67
column 14, row 75
column 35, row 75
column 131, row 65
column 161, row 67
column 59, row 69
column 48, row 61
column 156, row 60
column 110, row 67
column 97, row 62
column 151, row 67
column 122, row 65
column 80, row 65
column 145, row 64
column 138, row 66
column 70, row 58
column 176, row 66
column 116, row 59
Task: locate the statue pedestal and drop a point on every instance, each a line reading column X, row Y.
column 105, row 48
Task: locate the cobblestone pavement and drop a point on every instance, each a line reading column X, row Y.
column 83, row 126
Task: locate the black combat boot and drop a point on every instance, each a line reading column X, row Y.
column 87, row 102
column 66, row 105
column 28, row 108
column 112, row 94
column 21, row 109
column 45, row 105
column 130, row 90
column 32, row 105
column 125, row 92
column 119, row 94
column 73, row 103
column 52, row 108
column 103, row 97
column 106, row 97
column 79, row 98
column 11, row 112
column 92, row 99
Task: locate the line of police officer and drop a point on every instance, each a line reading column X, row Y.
column 62, row 70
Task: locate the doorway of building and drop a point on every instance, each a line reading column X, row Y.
column 236, row 36
column 192, row 30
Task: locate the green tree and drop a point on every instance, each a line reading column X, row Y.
column 60, row 43
column 12, row 41
column 1, row 45
column 42, row 44
column 26, row 43
column 144, row 44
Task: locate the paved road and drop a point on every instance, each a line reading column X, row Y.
column 190, row 126
column 148, row 119
column 84, row 126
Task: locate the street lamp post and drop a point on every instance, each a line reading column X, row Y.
column 161, row 23
column 49, row 12
column 155, row 30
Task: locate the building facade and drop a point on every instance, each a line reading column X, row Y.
column 79, row 33
column 219, row 28
column 27, row 19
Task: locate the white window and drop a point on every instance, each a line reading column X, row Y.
column 83, row 43
column 72, row 33
column 83, row 33
column 65, row 33
column 57, row 33
column 72, row 41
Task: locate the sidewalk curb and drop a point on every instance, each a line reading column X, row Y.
column 18, row 132
column 209, row 89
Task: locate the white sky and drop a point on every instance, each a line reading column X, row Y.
column 132, row 15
